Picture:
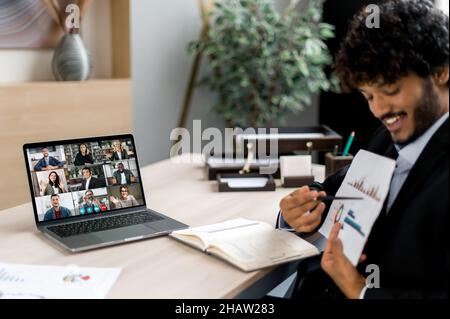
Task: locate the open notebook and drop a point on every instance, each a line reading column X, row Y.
column 247, row 244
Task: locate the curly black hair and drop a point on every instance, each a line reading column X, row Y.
column 412, row 38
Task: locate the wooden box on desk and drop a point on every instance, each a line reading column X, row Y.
column 333, row 162
column 296, row 181
column 291, row 139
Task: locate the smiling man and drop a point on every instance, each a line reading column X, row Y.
column 402, row 69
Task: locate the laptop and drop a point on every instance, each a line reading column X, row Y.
column 87, row 193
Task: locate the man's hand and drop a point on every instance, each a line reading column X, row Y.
column 339, row 268
column 302, row 211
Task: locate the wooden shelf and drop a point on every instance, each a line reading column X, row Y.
column 40, row 111
column 120, row 22
column 54, row 84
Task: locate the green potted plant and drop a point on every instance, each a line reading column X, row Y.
column 264, row 64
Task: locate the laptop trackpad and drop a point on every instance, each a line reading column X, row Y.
column 124, row 233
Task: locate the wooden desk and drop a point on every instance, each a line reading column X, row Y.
column 160, row 267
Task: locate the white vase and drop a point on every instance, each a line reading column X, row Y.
column 71, row 60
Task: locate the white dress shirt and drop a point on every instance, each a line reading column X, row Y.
column 123, row 178
column 87, row 182
column 407, row 157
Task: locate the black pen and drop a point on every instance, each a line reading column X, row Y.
column 330, row 198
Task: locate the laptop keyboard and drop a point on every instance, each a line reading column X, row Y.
column 89, row 226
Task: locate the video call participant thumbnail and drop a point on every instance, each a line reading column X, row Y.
column 119, row 152
column 125, row 199
column 47, row 162
column 55, row 185
column 123, row 176
column 83, row 156
column 91, row 204
column 90, row 182
column 57, row 211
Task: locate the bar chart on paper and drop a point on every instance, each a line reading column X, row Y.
column 369, row 176
column 347, row 217
column 371, row 191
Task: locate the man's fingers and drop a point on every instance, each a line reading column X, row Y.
column 334, row 231
column 308, row 201
column 301, row 190
column 331, row 242
column 322, row 194
column 299, row 199
column 312, row 218
column 363, row 258
column 307, row 223
column 337, row 246
column 295, row 209
column 292, row 216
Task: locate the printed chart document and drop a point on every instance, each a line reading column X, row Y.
column 368, row 177
column 51, row 282
column 247, row 244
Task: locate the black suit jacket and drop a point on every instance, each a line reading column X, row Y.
column 94, row 183
column 410, row 243
column 115, row 156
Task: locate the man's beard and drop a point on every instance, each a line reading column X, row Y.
column 426, row 113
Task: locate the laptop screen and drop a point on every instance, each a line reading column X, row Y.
column 83, row 177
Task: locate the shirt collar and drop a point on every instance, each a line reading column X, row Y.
column 412, row 151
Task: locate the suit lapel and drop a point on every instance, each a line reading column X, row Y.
column 391, row 152
column 431, row 155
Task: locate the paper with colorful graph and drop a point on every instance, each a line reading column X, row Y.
column 19, row 281
column 368, row 177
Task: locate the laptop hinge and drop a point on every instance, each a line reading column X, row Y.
column 92, row 217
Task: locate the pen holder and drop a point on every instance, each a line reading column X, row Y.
column 333, row 163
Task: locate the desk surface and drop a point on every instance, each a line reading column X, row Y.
column 159, row 267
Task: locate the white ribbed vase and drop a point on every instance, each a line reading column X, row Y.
column 71, row 60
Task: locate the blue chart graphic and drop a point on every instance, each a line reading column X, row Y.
column 350, row 220
column 351, row 214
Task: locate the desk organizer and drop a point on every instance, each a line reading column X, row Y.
column 245, row 183
column 218, row 165
column 297, row 181
column 333, row 163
